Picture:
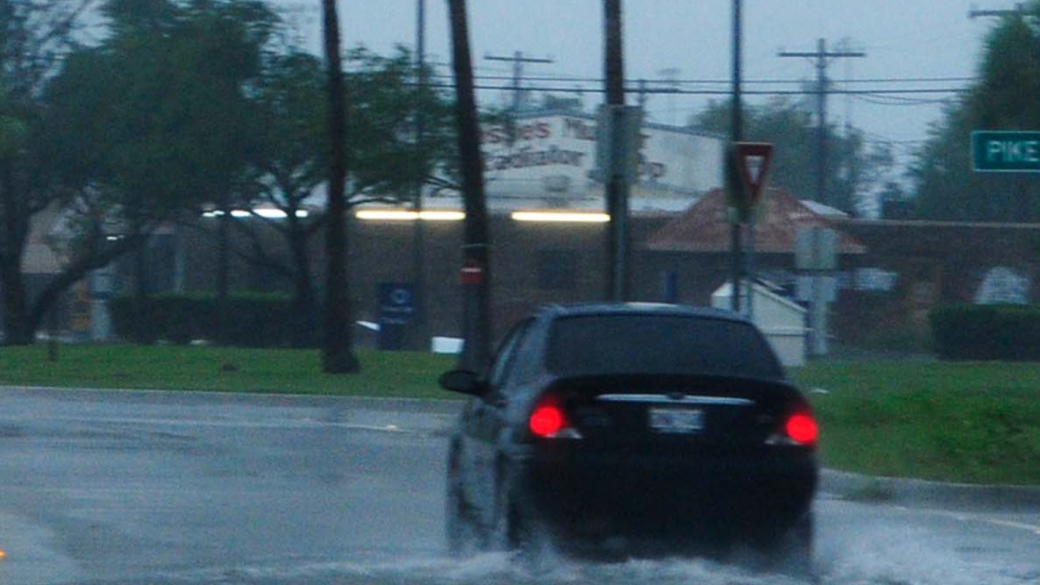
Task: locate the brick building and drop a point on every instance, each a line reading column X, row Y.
column 890, row 274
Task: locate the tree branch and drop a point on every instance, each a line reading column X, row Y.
column 94, row 258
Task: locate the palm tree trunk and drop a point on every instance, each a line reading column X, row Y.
column 337, row 352
column 476, row 319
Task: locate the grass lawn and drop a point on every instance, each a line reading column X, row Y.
column 222, row 369
column 971, row 422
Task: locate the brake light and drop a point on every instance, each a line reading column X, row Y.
column 802, row 429
column 549, row 421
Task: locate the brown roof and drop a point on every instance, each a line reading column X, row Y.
column 705, row 227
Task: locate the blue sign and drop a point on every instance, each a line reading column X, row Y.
column 396, row 303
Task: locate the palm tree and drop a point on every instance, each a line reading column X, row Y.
column 337, row 351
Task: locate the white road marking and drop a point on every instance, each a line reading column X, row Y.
column 285, row 423
column 964, row 517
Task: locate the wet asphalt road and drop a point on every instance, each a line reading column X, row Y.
column 148, row 488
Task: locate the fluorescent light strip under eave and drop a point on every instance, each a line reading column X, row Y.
column 399, row 215
column 560, row 217
column 264, row 212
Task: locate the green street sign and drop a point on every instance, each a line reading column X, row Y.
column 1001, row 151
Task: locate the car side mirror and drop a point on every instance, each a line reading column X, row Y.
column 463, row 382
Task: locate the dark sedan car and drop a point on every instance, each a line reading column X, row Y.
column 621, row 425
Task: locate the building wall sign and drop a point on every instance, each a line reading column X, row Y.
column 1003, row 284
column 671, row 159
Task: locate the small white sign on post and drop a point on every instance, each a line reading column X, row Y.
column 816, row 253
column 816, row 249
column 618, row 141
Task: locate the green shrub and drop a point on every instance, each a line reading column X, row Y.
column 247, row 320
column 903, row 339
column 987, row 332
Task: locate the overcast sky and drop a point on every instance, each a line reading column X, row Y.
column 902, row 39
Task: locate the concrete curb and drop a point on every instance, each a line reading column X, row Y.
column 917, row 492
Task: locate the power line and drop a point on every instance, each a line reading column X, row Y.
column 718, row 92
column 662, row 81
column 892, row 100
column 518, row 60
column 976, row 13
column 822, row 57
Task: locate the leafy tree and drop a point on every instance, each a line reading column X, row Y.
column 34, row 37
column 945, row 186
column 125, row 135
column 852, row 167
column 289, row 163
column 12, row 128
column 385, row 96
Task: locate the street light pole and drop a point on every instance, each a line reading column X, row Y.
column 615, row 182
column 420, row 321
column 732, row 179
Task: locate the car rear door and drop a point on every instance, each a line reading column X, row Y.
column 489, row 417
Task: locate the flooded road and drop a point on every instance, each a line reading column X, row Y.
column 106, row 488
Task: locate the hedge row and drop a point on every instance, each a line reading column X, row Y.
column 246, row 320
column 987, row 332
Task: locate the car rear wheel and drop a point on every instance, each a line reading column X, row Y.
column 461, row 529
column 792, row 551
column 516, row 529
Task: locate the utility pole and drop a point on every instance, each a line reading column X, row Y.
column 518, row 59
column 822, row 58
column 671, row 80
column 616, row 184
column 476, row 249
column 732, row 178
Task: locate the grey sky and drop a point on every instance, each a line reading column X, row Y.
column 902, row 39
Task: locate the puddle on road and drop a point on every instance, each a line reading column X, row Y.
column 880, row 554
column 913, row 556
column 496, row 568
column 882, row 563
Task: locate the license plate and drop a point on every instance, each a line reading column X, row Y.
column 676, row 421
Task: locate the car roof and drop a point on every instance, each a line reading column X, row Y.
column 555, row 311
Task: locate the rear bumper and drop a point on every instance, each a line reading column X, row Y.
column 680, row 496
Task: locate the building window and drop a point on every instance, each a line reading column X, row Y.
column 557, row 269
column 1003, row 284
column 875, row 280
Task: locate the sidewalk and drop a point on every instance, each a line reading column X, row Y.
column 917, row 492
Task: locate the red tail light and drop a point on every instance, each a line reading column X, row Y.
column 802, row 429
column 549, row 421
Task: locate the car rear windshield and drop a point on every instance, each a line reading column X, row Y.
column 659, row 344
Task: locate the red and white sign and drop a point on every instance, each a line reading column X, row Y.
column 753, row 160
column 472, row 274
